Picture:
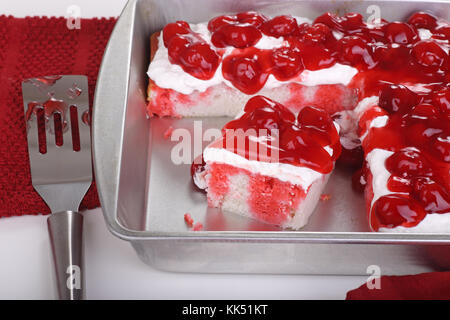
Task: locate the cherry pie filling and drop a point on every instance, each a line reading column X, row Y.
column 418, row 134
column 300, row 140
column 382, row 51
column 390, row 57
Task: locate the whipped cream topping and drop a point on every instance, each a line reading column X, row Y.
column 424, row 34
column 376, row 159
column 171, row 76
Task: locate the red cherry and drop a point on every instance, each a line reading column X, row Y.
column 264, row 118
column 315, row 117
column 287, row 63
column 330, row 20
column 291, row 138
column 218, row 22
column 419, row 113
column 441, row 147
column 252, row 18
column 431, row 195
column 352, row 22
column 200, row 61
column 376, row 34
column 280, row 26
column 319, row 125
column 392, row 56
column 423, row 20
column 407, row 163
column 301, row 148
column 424, row 111
column 442, row 33
column 441, row 99
column 235, row 36
column 319, row 33
column 315, row 56
column 177, row 45
column 356, row 52
column 245, row 72
column 173, row 29
column 399, row 184
column 429, row 54
column 261, row 102
column 395, row 98
column 397, row 210
column 401, row 33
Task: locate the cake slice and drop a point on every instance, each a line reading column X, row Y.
column 407, row 152
column 269, row 164
column 213, row 68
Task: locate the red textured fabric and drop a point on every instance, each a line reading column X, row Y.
column 33, row 47
column 424, row 286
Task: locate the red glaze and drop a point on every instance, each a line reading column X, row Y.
column 301, row 142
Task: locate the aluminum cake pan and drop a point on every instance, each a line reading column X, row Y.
column 144, row 196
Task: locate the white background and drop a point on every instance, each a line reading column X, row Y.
column 113, row 269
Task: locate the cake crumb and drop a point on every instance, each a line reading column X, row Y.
column 198, row 227
column 168, row 133
column 325, row 197
column 188, row 219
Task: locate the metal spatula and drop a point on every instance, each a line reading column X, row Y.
column 59, row 146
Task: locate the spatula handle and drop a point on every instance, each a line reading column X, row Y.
column 65, row 231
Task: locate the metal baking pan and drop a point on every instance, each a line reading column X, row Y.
column 144, row 195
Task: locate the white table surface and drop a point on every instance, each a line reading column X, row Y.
column 113, row 270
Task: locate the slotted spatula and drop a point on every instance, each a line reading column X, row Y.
column 59, row 147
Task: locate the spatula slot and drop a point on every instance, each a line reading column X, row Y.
column 42, row 139
column 57, row 120
column 75, row 128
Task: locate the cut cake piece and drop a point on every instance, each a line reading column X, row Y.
column 269, row 164
column 407, row 152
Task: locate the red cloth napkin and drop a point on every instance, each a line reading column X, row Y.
column 425, row 286
column 33, row 47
